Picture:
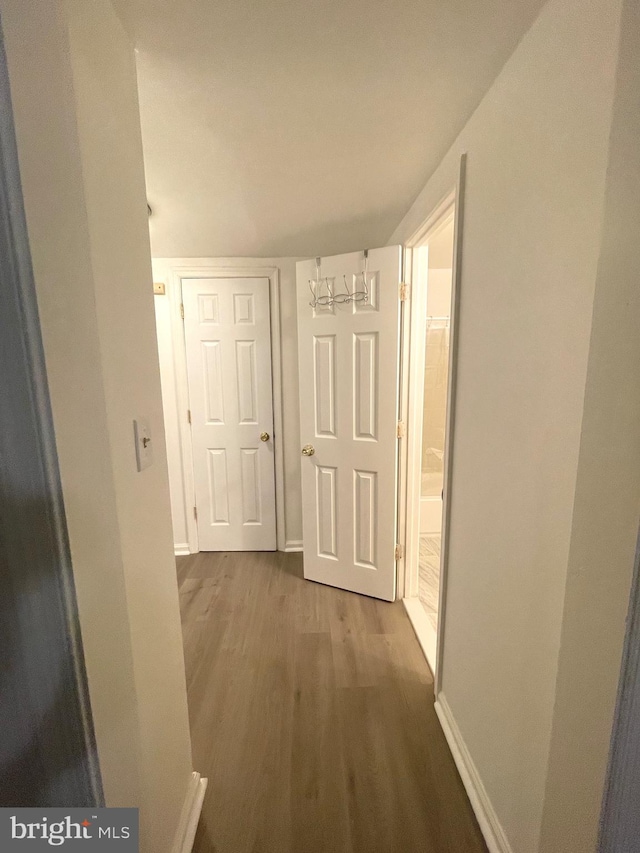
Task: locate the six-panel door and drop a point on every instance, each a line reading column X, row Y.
column 228, row 343
column 348, row 365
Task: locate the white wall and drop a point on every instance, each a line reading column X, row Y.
column 439, row 292
column 180, row 503
column 537, row 159
column 81, row 163
column 607, row 501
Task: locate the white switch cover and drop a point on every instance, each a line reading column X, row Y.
column 144, row 447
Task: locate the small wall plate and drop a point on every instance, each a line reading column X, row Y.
column 144, row 449
column 159, row 288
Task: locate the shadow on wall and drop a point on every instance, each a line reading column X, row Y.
column 46, row 752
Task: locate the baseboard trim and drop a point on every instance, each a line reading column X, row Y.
column 190, row 814
column 494, row 834
column 423, row 630
column 292, row 545
column 181, row 549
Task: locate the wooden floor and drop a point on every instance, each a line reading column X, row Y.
column 312, row 717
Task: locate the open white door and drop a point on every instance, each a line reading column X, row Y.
column 348, row 359
column 228, row 342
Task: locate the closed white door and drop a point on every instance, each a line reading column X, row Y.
column 228, row 340
column 348, row 361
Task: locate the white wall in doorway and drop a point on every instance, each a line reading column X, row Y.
column 181, row 503
column 437, row 332
column 537, row 157
column 439, row 295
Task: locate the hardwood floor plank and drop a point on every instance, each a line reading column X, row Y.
column 319, row 808
column 312, row 716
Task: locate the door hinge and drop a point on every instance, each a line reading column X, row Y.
column 195, row 512
column 401, row 431
column 189, row 415
column 404, row 291
column 182, row 310
column 399, row 551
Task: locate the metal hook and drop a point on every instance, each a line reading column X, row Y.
column 332, row 298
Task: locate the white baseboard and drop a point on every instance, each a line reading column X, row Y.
column 492, row 830
column 181, row 549
column 190, row 814
column 293, row 545
column 424, row 630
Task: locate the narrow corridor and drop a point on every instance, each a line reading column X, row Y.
column 312, row 717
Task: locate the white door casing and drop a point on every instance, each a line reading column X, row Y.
column 348, row 363
column 228, row 350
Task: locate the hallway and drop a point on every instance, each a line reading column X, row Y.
column 312, row 717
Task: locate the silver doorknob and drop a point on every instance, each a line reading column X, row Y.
column 308, row 450
column 264, row 436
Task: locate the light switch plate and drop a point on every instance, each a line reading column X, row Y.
column 144, row 447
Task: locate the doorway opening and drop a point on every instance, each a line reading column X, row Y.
column 435, row 268
column 430, row 359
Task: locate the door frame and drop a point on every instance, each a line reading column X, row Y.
column 412, row 395
column 47, row 685
column 617, row 826
column 204, row 268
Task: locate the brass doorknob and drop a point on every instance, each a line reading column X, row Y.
column 264, row 436
column 308, row 450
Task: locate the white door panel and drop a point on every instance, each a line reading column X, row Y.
column 228, row 340
column 348, row 360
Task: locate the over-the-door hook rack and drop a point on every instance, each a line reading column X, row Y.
column 330, row 298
